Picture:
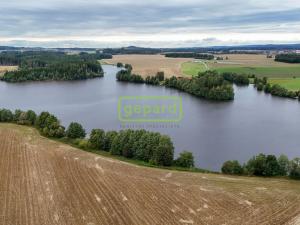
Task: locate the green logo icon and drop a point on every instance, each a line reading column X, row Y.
column 160, row 109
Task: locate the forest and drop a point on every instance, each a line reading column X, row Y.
column 37, row 66
column 288, row 58
column 190, row 55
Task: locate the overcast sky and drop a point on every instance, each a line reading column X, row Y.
column 156, row 23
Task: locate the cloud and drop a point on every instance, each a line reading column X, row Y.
column 119, row 21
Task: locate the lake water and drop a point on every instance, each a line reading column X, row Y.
column 215, row 132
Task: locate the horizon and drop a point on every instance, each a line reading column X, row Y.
column 168, row 24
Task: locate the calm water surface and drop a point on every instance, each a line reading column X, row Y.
column 215, row 132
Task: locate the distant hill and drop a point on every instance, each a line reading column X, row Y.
column 141, row 50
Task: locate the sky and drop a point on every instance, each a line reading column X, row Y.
column 148, row 23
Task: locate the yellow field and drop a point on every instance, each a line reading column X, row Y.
column 151, row 64
column 3, row 69
column 46, row 182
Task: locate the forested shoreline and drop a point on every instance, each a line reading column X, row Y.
column 41, row 66
column 208, row 85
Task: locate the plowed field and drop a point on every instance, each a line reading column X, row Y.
column 43, row 182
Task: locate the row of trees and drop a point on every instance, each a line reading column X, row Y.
column 288, row 58
column 209, row 85
column 189, row 55
column 151, row 147
column 262, row 84
column 265, row 165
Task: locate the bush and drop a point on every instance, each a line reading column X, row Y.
column 186, row 159
column 160, row 75
column 232, row 167
column 75, row 130
column 119, row 64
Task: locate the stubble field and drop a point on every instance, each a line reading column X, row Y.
column 44, row 182
column 146, row 65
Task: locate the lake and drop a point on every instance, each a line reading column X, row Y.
column 215, row 132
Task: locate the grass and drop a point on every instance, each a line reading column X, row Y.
column 292, row 84
column 264, row 71
column 192, row 68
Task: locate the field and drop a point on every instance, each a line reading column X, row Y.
column 46, row 182
column 193, row 68
column 3, row 69
column 151, row 64
column 288, row 83
column 249, row 64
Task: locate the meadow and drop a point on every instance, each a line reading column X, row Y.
column 259, row 65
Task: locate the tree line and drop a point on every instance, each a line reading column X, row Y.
column 288, row 58
column 189, row 55
column 151, row 147
column 261, row 84
column 36, row 66
column 265, row 165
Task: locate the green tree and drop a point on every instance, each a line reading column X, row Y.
column 75, row 130
column 6, row 115
column 295, row 168
column 97, row 139
column 185, row 159
column 272, row 166
column 232, row 167
column 109, row 137
column 164, row 153
column 284, row 165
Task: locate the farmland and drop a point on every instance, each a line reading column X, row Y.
column 288, row 83
column 3, row 69
column 46, row 182
column 151, row 64
column 259, row 65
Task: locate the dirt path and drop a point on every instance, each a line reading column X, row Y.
column 47, row 183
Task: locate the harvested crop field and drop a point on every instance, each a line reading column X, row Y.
column 44, row 182
column 3, row 69
column 151, row 64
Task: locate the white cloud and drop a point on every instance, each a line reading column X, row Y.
column 168, row 22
